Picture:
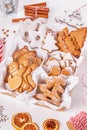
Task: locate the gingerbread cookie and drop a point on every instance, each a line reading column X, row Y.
column 65, row 65
column 51, row 90
column 19, row 71
column 49, row 43
column 79, row 35
column 71, row 42
column 14, row 82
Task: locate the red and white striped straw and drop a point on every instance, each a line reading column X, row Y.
column 1, row 50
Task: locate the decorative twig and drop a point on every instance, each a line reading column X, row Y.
column 76, row 14
column 63, row 21
column 80, row 7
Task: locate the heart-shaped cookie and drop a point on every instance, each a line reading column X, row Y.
column 14, row 82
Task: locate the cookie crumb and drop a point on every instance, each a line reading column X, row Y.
column 7, row 30
column 7, row 35
column 3, row 30
column 4, row 42
column 4, row 38
column 14, row 31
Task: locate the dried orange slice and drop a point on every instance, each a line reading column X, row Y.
column 30, row 126
column 19, row 119
column 51, row 124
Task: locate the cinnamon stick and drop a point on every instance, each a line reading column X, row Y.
column 37, row 4
column 36, row 8
column 37, row 15
column 20, row 19
column 38, row 12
